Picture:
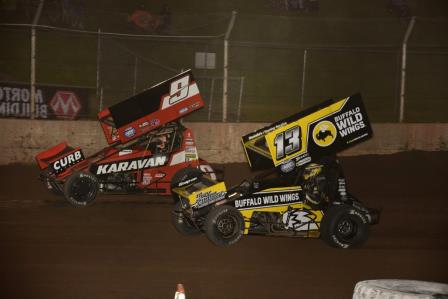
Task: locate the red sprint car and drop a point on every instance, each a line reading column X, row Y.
column 149, row 148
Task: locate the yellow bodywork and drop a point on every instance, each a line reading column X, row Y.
column 315, row 215
column 219, row 190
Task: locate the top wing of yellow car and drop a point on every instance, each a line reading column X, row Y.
column 321, row 130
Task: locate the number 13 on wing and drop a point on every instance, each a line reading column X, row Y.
column 285, row 142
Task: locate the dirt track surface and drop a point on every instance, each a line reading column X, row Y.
column 126, row 247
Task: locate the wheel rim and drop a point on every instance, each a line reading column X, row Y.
column 227, row 225
column 346, row 229
column 82, row 189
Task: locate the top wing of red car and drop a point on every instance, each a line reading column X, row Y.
column 322, row 130
column 150, row 109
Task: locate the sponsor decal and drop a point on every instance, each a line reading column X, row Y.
column 350, row 121
column 129, row 165
column 159, row 175
column 147, row 179
column 69, row 102
column 324, row 133
column 190, row 150
column 129, row 132
column 65, row 104
column 342, row 189
column 15, row 101
column 205, row 168
column 143, row 124
column 299, row 220
column 189, row 181
column 124, row 152
column 336, row 240
column 360, row 215
column 67, row 161
column 183, row 110
column 194, row 105
column 288, row 166
column 209, row 197
column 155, row 122
column 269, row 199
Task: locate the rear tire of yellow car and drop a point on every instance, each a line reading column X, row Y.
column 80, row 189
column 343, row 226
column 181, row 223
column 224, row 225
column 399, row 289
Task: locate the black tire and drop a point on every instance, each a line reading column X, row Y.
column 224, row 225
column 182, row 224
column 344, row 226
column 80, row 189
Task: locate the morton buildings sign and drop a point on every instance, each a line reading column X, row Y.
column 52, row 102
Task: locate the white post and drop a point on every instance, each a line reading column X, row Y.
column 212, row 90
column 101, row 100
column 226, row 63
column 403, row 66
column 302, row 101
column 240, row 100
column 98, row 63
column 135, row 74
column 33, row 61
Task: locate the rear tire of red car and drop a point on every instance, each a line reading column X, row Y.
column 80, row 189
column 344, row 226
column 224, row 225
column 182, row 224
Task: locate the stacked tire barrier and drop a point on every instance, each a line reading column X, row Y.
column 400, row 289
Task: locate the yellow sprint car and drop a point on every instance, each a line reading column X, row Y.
column 301, row 193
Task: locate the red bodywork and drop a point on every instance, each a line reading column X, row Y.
column 134, row 161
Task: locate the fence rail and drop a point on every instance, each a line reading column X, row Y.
column 276, row 65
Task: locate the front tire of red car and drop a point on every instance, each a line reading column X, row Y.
column 80, row 189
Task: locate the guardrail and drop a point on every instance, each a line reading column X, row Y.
column 21, row 140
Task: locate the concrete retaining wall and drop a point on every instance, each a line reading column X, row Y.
column 21, row 140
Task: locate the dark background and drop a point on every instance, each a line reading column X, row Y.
column 352, row 46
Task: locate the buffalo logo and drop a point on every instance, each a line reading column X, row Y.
column 324, row 133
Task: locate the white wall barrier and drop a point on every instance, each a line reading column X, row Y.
column 21, row 140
